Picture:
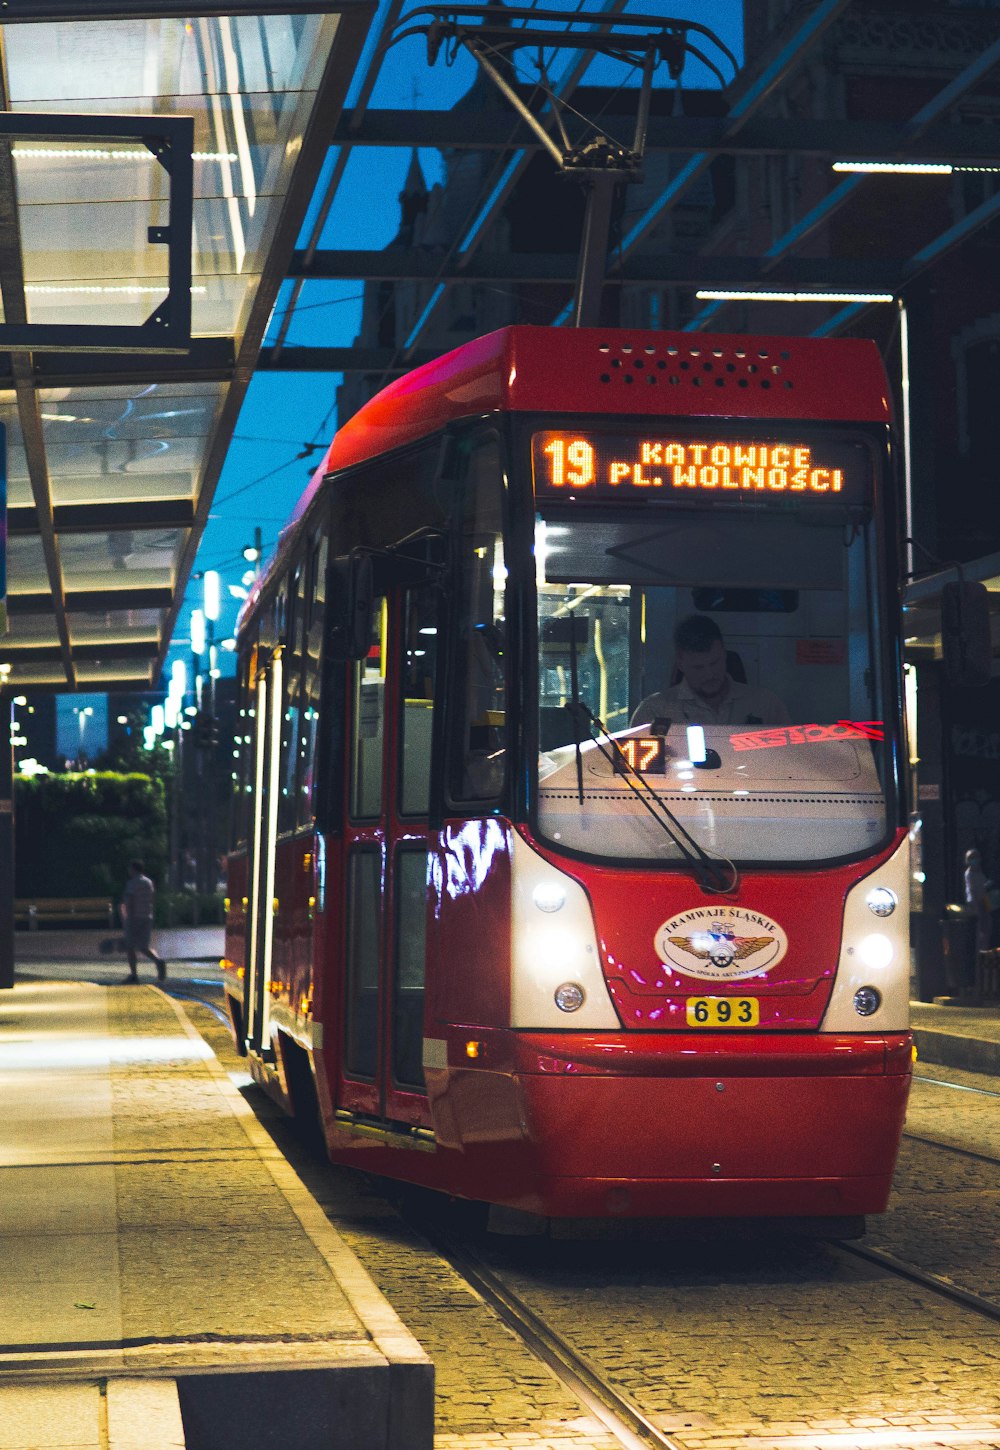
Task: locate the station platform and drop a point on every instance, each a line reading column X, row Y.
column 960, row 1036
column 168, row 1281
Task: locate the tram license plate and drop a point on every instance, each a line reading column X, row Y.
column 723, row 1011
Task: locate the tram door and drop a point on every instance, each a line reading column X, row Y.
column 388, row 847
column 267, row 706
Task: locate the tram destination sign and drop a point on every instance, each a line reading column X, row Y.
column 678, row 466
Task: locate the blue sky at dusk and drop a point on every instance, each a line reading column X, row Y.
column 262, row 476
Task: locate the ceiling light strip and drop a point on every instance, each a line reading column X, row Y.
column 748, row 295
column 919, row 168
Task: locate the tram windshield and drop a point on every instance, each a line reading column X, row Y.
column 723, row 655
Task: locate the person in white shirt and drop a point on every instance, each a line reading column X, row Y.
column 137, row 920
column 707, row 694
column 977, row 895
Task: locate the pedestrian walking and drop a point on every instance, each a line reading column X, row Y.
column 977, row 895
column 137, row 920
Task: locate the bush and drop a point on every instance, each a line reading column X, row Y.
column 75, row 834
column 189, row 908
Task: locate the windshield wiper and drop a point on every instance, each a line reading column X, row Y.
column 707, row 871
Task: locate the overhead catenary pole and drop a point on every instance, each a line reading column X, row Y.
column 600, row 163
column 6, row 846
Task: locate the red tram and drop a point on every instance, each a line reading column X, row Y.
column 543, row 905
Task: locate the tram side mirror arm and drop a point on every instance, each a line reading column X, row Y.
column 965, row 633
column 352, row 597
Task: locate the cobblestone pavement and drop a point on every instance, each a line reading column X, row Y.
column 945, row 1209
column 764, row 1344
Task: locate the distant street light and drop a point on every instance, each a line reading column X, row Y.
column 82, row 713
column 211, row 591
column 197, row 632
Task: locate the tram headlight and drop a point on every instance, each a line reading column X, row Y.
column 876, row 951
column 548, row 896
column 881, row 901
column 867, row 1000
column 570, row 997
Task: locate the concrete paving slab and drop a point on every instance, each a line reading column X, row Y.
column 144, row 1414
column 52, row 1417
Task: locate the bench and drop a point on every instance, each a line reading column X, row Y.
column 62, row 909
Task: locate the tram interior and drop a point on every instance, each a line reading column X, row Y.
column 798, row 614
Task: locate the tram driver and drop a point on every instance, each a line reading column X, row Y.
column 706, row 692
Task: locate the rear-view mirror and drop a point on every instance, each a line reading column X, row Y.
column 352, row 594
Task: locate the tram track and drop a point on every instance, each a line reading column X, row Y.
column 937, row 1283
column 940, row 1143
column 178, row 990
column 616, row 1411
column 619, row 1415
column 958, row 1087
column 952, row 1148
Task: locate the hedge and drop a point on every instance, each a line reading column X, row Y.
column 75, row 834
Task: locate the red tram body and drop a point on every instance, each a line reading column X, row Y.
column 532, row 939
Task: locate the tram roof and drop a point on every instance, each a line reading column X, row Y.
column 157, row 158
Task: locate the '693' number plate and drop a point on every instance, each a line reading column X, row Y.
column 723, row 1011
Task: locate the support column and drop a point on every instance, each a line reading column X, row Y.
column 932, row 796
column 6, row 847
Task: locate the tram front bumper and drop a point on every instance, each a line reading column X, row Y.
column 774, row 1133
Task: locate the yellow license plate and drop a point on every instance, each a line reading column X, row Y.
column 723, row 1011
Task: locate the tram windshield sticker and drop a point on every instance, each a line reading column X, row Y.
column 676, row 466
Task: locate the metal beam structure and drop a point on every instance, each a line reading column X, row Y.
column 939, row 105
column 936, row 133
column 681, row 268
column 169, row 142
column 961, row 144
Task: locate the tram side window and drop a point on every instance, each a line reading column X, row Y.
column 243, row 756
column 420, row 638
column 480, row 759
column 410, row 968
column 368, row 722
column 362, row 915
column 291, row 705
column 272, row 621
column 311, row 678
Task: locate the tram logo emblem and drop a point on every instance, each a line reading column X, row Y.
column 720, row 943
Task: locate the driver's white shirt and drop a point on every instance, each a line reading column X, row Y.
column 741, row 705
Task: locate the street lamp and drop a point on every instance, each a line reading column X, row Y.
column 82, row 713
column 197, row 632
column 211, row 594
column 252, row 553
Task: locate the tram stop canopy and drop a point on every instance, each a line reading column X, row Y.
column 140, row 257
